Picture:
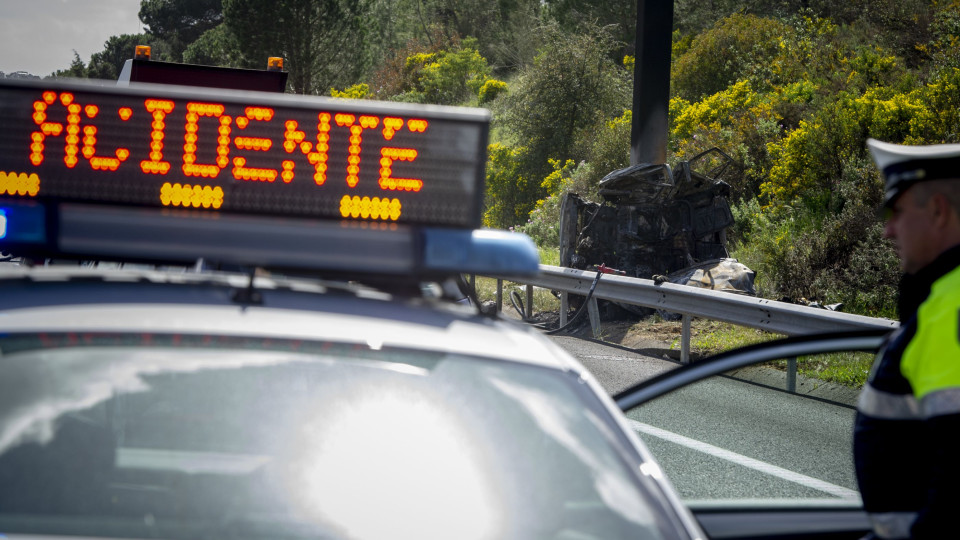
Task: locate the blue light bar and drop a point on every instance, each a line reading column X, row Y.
column 22, row 223
column 94, row 232
column 489, row 252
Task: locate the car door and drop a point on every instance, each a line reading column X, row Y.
column 752, row 451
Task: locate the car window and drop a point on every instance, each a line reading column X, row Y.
column 136, row 436
column 757, row 434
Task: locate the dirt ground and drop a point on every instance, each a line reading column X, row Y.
column 635, row 334
column 629, row 331
column 640, row 333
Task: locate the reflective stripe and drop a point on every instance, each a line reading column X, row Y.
column 941, row 402
column 892, row 524
column 880, row 404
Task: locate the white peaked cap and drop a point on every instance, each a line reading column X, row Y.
column 904, row 165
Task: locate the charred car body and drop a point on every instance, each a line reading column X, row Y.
column 656, row 221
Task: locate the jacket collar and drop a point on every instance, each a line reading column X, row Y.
column 914, row 288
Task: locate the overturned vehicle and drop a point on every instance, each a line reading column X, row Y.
column 658, row 223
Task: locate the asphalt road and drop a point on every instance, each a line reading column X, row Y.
column 728, row 438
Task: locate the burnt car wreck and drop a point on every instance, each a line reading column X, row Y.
column 658, row 223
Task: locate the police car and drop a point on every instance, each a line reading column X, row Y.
column 272, row 350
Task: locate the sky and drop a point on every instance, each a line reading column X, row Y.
column 39, row 36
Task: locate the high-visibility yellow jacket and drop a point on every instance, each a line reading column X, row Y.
column 908, row 415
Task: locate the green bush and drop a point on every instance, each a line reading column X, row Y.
column 445, row 77
column 556, row 103
column 543, row 222
column 944, row 47
column 844, row 260
column 728, row 52
column 607, row 149
column 830, row 255
column 510, row 195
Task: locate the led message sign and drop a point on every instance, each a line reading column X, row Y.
column 242, row 152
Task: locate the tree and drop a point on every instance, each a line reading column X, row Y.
column 552, row 113
column 216, row 47
column 108, row 63
column 77, row 68
column 502, row 27
column 180, row 22
column 618, row 16
column 323, row 42
column 570, row 89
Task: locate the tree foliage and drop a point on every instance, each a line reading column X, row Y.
column 501, row 27
column 179, row 22
column 618, row 17
column 322, row 41
column 77, row 68
column 726, row 54
column 108, row 63
column 571, row 88
column 216, row 47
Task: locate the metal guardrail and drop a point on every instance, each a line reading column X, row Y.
column 760, row 313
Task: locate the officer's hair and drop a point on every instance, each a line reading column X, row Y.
column 949, row 188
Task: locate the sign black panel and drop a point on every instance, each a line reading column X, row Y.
column 242, row 152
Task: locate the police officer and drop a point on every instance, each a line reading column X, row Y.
column 908, row 415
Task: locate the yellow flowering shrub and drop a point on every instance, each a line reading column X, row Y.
column 795, row 167
column 809, row 159
column 357, row 91
column 888, row 116
column 490, row 90
column 939, row 122
column 447, row 77
column 710, row 110
column 554, row 181
column 509, row 195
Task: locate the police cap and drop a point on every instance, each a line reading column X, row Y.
column 903, row 166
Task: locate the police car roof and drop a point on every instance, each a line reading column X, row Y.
column 78, row 300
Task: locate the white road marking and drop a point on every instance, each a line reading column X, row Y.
column 755, row 464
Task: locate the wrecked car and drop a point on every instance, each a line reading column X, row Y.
column 658, row 222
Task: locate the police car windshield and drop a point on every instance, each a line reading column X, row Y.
column 203, row 436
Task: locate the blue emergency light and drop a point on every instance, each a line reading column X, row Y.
column 22, row 223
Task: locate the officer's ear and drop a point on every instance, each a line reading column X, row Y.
column 943, row 211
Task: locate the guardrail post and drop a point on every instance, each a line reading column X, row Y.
column 685, row 340
column 529, row 306
column 564, row 306
column 792, row 375
column 594, row 313
column 499, row 296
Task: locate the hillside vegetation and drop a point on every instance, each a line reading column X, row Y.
column 791, row 89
